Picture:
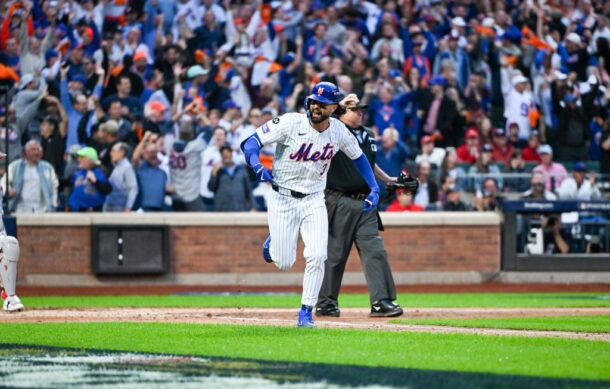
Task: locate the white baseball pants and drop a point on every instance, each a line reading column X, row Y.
column 287, row 216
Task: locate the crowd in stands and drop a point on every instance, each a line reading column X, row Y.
column 125, row 105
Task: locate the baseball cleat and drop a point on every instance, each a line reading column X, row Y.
column 266, row 248
column 305, row 319
column 385, row 308
column 328, row 310
column 13, row 304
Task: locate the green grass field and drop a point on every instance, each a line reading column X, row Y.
column 593, row 324
column 466, row 300
column 465, row 353
column 412, row 359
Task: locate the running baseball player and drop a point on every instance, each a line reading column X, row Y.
column 306, row 143
column 9, row 256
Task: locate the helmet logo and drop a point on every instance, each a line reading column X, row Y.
column 320, row 91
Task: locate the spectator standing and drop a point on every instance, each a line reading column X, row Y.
column 185, row 169
column 53, row 137
column 152, row 180
column 90, row 184
column 577, row 187
column 439, row 114
column 210, row 157
column 123, row 180
column 33, row 183
column 518, row 103
column 554, row 172
column 391, row 153
column 230, row 184
column 572, row 129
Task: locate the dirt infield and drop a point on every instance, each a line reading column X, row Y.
column 350, row 318
column 493, row 287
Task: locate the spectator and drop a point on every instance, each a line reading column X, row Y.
column 30, row 93
column 530, row 153
column 439, row 114
column 388, row 37
column 515, row 141
column 404, row 203
column 53, row 136
column 577, row 188
column 486, row 199
column 450, row 51
column 469, row 152
column 484, row 169
column 453, row 202
column 90, row 183
column 130, row 105
column 537, row 189
column 152, row 180
column 391, row 153
column 429, row 153
column 517, row 179
column 123, row 181
column 556, row 239
column 503, row 151
column 211, row 157
column 12, row 132
column 518, row 103
column 427, row 193
column 554, row 173
column 230, row 185
column 572, row 130
column 33, row 183
column 185, row 168
column 449, row 168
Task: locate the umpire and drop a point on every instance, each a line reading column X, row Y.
column 348, row 224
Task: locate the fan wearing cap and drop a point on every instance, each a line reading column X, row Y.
column 513, row 136
column 574, row 56
column 554, row 173
column 31, row 91
column 349, row 225
column 434, row 155
column 469, row 152
column 89, row 182
column 503, row 151
column 518, row 102
column 578, row 187
column 484, row 168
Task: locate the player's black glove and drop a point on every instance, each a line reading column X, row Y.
column 405, row 182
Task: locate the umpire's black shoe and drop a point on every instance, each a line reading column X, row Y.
column 328, row 310
column 385, row 308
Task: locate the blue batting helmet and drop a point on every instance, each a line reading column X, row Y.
column 325, row 93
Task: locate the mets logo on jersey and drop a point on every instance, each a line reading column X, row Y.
column 304, row 153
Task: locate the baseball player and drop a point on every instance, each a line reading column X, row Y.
column 306, row 144
column 9, row 256
column 348, row 225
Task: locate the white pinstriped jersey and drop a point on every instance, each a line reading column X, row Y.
column 302, row 155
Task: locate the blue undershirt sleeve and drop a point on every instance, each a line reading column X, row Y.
column 364, row 167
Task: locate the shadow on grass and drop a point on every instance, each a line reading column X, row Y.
column 57, row 367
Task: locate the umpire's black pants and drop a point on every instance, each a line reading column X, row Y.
column 348, row 224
